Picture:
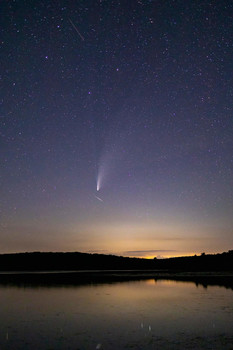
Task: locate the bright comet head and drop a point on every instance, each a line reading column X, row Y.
column 98, row 182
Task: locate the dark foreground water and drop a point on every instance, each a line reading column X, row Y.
column 144, row 315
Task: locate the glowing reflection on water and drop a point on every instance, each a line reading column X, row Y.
column 142, row 314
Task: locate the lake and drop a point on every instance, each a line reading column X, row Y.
column 143, row 314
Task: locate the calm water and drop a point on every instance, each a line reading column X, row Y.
column 128, row 315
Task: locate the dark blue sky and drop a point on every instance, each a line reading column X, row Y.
column 134, row 95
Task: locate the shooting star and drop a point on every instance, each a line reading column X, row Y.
column 76, row 29
column 99, row 199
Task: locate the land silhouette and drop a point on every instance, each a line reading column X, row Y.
column 75, row 261
column 38, row 269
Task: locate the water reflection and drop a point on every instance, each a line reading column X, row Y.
column 81, row 278
column 135, row 314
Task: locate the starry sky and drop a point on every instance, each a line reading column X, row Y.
column 131, row 98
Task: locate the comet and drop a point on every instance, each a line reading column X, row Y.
column 99, row 199
column 99, row 179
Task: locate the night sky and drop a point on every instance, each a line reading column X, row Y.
column 116, row 126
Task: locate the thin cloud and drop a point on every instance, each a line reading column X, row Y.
column 98, row 251
column 146, row 252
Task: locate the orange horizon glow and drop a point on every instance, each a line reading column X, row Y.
column 165, row 256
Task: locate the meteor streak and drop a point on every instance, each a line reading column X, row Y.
column 99, row 199
column 76, row 29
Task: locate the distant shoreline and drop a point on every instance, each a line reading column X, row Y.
column 79, row 278
column 132, row 272
column 78, row 262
